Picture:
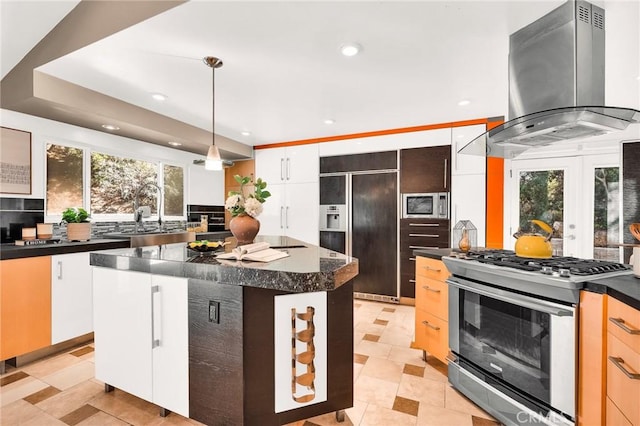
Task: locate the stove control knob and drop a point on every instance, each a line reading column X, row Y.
column 564, row 272
column 547, row 270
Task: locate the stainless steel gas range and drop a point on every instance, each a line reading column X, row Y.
column 512, row 332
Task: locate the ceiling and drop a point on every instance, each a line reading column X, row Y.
column 283, row 74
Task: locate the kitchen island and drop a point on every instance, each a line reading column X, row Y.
column 227, row 342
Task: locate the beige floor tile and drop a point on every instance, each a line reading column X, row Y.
column 126, row 407
column 356, row 412
column 375, row 391
column 18, row 390
column 429, row 415
column 43, row 419
column 432, row 373
column 329, row 419
column 358, row 336
column 407, row 356
column 71, row 375
column 71, row 399
column 50, row 365
column 404, row 329
column 380, row 350
column 18, row 412
column 397, row 339
column 369, row 328
column 357, row 369
column 381, row 416
column 384, row 369
column 420, row 389
column 454, row 400
column 102, row 419
column 174, row 419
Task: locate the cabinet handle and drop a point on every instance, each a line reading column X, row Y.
column 424, row 235
column 620, row 323
column 412, row 258
column 286, row 217
column 428, row 268
column 435, row 290
column 154, row 342
column 445, row 173
column 412, row 281
column 618, row 363
column 288, row 168
column 59, row 269
column 424, row 224
column 281, row 216
column 435, row 327
column 421, row 247
column 282, row 169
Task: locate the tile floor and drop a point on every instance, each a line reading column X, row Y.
column 392, row 385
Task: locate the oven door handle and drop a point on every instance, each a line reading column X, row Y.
column 514, row 299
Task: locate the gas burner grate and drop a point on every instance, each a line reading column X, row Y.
column 565, row 266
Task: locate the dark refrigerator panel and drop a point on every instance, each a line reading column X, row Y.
column 374, row 220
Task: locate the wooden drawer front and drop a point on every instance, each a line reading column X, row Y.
column 433, row 297
column 434, row 332
column 624, row 323
column 431, row 268
column 624, row 391
column 615, row 416
column 425, row 240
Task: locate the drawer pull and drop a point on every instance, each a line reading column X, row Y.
column 412, row 258
column 435, row 327
column 424, row 235
column 618, row 363
column 412, row 281
column 435, row 290
column 424, row 224
column 428, row 268
column 422, row 247
column 620, row 323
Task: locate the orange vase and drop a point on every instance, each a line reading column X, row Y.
column 244, row 228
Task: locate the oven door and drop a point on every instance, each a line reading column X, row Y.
column 524, row 342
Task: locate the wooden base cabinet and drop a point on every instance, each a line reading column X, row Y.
column 141, row 336
column 432, row 298
column 623, row 362
column 25, row 305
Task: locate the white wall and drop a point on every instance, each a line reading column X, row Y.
column 203, row 187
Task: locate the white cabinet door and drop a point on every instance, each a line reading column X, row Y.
column 122, row 323
column 301, row 212
column 71, row 296
column 272, row 216
column 171, row 351
column 294, row 164
column 468, row 203
column 465, row 163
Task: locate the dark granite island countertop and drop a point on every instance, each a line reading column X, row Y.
column 307, row 268
column 230, row 342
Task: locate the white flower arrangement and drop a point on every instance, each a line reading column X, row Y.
column 238, row 203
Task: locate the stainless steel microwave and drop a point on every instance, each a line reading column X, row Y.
column 434, row 205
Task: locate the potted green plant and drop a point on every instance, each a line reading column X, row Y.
column 245, row 207
column 78, row 225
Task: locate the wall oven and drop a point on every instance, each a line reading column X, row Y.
column 513, row 326
column 433, row 205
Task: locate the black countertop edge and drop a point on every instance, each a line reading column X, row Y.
column 435, row 253
column 625, row 288
column 307, row 269
column 10, row 251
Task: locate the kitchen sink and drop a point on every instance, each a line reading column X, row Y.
column 153, row 238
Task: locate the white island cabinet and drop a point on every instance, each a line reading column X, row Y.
column 71, row 296
column 141, row 336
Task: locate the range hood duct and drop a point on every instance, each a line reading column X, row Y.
column 556, row 84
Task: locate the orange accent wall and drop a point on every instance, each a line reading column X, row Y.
column 495, row 198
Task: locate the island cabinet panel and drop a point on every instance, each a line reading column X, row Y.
column 141, row 341
column 232, row 363
column 216, row 373
column 25, row 305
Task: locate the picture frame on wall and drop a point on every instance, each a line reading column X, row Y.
column 15, row 161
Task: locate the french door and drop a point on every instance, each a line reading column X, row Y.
column 578, row 196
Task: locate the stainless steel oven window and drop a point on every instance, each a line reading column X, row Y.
column 526, row 342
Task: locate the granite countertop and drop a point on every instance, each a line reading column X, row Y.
column 11, row 251
column 308, row 268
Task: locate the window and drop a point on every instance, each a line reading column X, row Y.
column 606, row 213
column 65, row 182
column 111, row 181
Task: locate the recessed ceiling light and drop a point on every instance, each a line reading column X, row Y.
column 245, row 133
column 174, row 143
column 350, row 49
column 159, row 97
column 464, row 102
column 329, row 121
column 110, row 127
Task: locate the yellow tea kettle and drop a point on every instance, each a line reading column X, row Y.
column 535, row 245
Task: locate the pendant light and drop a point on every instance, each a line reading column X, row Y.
column 213, row 162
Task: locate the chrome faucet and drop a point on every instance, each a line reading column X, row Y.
column 137, row 210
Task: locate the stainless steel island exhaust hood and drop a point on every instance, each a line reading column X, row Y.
column 556, row 84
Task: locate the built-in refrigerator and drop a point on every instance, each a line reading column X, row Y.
column 368, row 201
